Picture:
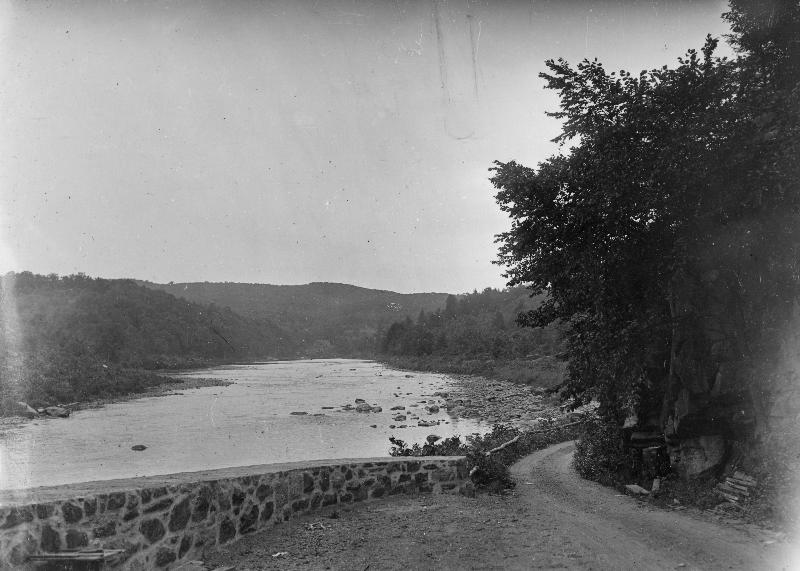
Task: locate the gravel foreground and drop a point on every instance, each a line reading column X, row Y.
column 552, row 520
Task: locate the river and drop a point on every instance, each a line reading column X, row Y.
column 248, row 422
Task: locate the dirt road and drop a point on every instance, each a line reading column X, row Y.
column 553, row 520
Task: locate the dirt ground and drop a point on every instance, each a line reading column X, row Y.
column 552, row 520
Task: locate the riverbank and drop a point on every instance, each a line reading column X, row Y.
column 543, row 372
column 168, row 385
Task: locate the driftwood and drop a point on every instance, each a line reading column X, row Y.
column 504, row 445
column 516, row 438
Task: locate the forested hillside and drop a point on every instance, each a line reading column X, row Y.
column 74, row 337
column 326, row 319
column 477, row 333
column 474, row 325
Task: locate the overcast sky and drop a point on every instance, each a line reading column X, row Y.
column 289, row 142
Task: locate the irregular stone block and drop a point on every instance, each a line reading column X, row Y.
column 237, row 498
column 180, row 515
column 227, row 531
column 133, row 514
column 159, row 506
column 76, row 539
column 152, row 530
column 89, row 506
column 164, row 556
column 281, row 494
column 44, row 511
column 308, row 483
column 266, row 511
column 115, row 501
column 263, row 492
column 186, row 545
column 412, row 467
column 201, row 505
column 16, row 516
column 248, row 520
column 106, row 529
column 50, row 541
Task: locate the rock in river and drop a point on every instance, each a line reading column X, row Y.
column 57, row 411
column 138, row 447
column 363, row 407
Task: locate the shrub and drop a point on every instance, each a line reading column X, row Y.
column 599, row 455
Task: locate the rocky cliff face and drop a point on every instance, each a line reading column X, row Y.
column 720, row 403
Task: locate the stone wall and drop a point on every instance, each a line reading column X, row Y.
column 161, row 521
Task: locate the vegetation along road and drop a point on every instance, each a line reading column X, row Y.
column 553, row 519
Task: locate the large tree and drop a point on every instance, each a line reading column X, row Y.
column 667, row 232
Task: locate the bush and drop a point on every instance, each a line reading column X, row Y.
column 489, row 473
column 599, row 455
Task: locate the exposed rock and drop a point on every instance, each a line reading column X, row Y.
column 359, row 401
column 24, row 409
column 398, row 407
column 697, row 455
column 433, row 438
column 432, row 408
column 427, row 423
column 138, row 447
column 363, row 407
column 299, row 413
column 635, row 489
column 399, row 417
column 377, row 409
column 57, row 411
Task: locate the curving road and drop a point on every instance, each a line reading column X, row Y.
column 607, row 531
column 552, row 520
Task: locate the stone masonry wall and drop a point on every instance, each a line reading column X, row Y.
column 161, row 521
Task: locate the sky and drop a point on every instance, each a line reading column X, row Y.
column 292, row 141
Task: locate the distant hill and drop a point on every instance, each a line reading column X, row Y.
column 325, row 319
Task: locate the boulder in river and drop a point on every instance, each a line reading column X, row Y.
column 432, row 408
column 433, row 438
column 26, row 410
column 377, row 409
column 299, row 413
column 398, row 407
column 138, row 447
column 359, row 401
column 363, row 407
column 58, row 411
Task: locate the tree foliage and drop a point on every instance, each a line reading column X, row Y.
column 674, row 185
column 74, row 337
column 472, row 325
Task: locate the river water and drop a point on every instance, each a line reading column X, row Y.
column 248, row 422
